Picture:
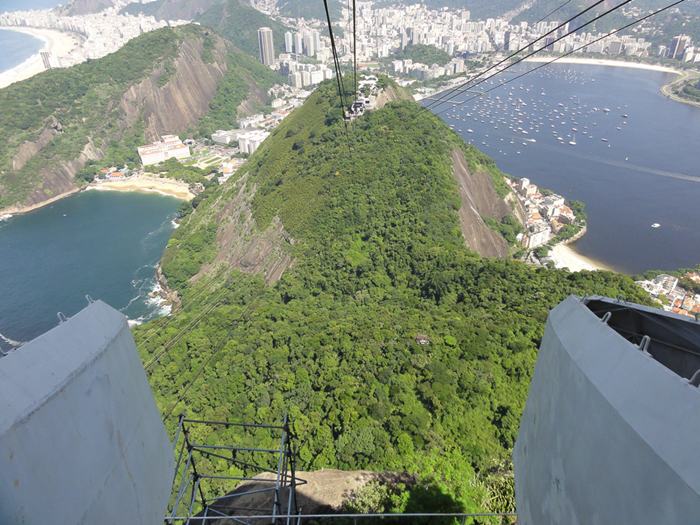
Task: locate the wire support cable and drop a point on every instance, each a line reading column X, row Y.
column 544, row 64
column 457, row 90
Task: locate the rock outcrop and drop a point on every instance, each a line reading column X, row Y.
column 171, row 98
column 479, row 201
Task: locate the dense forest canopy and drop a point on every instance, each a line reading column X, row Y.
column 425, row 54
column 379, row 267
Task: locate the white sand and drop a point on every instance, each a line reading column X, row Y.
column 604, row 62
column 61, row 45
column 146, row 184
column 565, row 257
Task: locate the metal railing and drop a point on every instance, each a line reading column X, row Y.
column 459, row 517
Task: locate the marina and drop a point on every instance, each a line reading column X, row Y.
column 582, row 131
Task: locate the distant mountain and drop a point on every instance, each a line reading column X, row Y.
column 336, row 278
column 85, row 7
column 57, row 123
column 236, row 20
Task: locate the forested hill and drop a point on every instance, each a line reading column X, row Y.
column 56, row 125
column 236, row 20
column 391, row 345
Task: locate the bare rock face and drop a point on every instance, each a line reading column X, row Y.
column 167, row 106
column 479, row 201
column 242, row 245
column 85, row 7
column 184, row 98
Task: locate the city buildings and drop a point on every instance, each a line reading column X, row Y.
column 169, row 147
column 249, row 141
column 266, row 46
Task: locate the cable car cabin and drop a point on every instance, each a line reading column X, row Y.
column 357, row 109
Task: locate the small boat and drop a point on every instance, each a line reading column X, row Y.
column 604, row 140
column 573, row 140
column 656, row 225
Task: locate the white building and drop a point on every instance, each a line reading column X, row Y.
column 249, row 141
column 169, row 147
column 266, row 46
column 538, row 235
column 225, row 137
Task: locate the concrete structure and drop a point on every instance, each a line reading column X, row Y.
column 169, row 147
column 81, row 439
column 610, row 431
column 266, row 46
column 249, row 141
column 225, row 137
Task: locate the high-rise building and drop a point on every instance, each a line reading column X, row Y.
column 266, row 46
column 298, row 43
column 309, row 45
column 678, row 45
column 288, row 42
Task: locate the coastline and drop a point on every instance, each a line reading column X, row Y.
column 140, row 184
column 21, row 210
column 668, row 88
column 606, row 62
column 60, row 44
column 564, row 256
column 146, row 184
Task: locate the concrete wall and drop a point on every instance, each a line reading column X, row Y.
column 81, row 440
column 608, row 435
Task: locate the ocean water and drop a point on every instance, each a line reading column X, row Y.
column 102, row 244
column 646, row 171
column 16, row 48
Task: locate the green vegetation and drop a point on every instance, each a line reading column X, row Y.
column 174, row 169
column 691, row 90
column 243, row 72
column 239, row 22
column 81, row 101
column 79, row 110
column 422, row 53
column 379, row 259
column 508, row 227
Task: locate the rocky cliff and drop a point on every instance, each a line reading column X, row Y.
column 56, row 123
column 262, row 221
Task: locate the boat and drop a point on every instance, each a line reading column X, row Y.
column 656, row 225
column 604, row 140
column 573, row 140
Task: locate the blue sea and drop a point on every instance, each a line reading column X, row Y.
column 634, row 161
column 102, row 244
column 16, row 48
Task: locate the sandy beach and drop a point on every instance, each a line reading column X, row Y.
column 58, row 43
column 604, row 62
column 565, row 257
column 169, row 187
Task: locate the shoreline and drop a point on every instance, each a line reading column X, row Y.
column 139, row 184
column 565, row 257
column 145, row 184
column 59, row 44
column 606, row 62
column 21, row 210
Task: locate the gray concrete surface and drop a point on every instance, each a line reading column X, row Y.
column 608, row 435
column 81, row 440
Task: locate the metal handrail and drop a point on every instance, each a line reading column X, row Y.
column 461, row 515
